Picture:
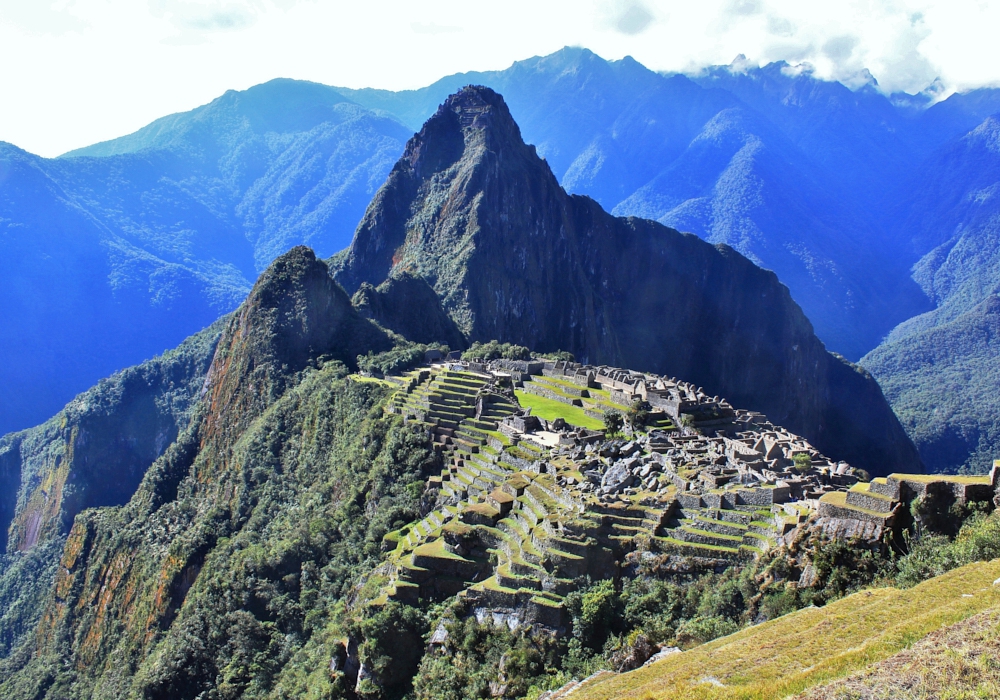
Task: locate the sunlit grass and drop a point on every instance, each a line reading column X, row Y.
column 794, row 652
column 550, row 409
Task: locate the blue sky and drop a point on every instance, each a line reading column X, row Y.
column 81, row 71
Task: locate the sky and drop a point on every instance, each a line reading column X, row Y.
column 75, row 72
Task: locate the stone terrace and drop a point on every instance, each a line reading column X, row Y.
column 525, row 508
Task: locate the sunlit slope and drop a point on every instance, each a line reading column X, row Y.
column 797, row 651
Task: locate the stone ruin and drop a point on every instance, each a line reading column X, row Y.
column 525, row 506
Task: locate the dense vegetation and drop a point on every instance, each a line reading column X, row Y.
column 402, row 357
column 944, row 384
column 617, row 625
column 494, row 350
column 331, row 475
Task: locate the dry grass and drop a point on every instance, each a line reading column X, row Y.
column 951, row 478
column 811, row 646
column 960, row 662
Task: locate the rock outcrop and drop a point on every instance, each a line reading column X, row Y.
column 407, row 305
column 473, row 210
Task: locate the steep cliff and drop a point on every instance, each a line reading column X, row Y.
column 472, row 209
column 93, row 453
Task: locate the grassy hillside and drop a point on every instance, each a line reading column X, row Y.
column 943, row 384
column 959, row 661
column 813, row 645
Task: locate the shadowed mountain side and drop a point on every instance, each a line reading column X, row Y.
column 407, row 305
column 741, row 183
column 474, row 211
column 789, row 183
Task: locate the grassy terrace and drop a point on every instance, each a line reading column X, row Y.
column 814, row 645
column 930, row 478
column 839, row 498
column 550, row 409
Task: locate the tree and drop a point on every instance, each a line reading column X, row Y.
column 802, row 462
column 613, row 422
column 638, row 414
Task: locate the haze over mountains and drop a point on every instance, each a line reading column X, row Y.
column 136, row 243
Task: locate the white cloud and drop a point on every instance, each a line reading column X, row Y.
column 629, row 17
column 80, row 71
column 433, row 29
column 52, row 17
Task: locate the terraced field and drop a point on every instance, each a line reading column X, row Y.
column 524, row 509
column 514, row 523
column 554, row 397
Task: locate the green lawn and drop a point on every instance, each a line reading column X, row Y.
column 550, row 409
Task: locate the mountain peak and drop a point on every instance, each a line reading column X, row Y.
column 475, row 116
column 470, row 145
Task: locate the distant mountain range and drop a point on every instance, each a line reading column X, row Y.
column 942, row 368
column 115, row 251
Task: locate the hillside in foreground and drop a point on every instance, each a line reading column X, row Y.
column 798, row 651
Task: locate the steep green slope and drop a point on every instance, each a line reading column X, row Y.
column 796, row 651
column 944, row 384
column 956, row 661
column 245, row 532
column 939, row 368
column 93, row 453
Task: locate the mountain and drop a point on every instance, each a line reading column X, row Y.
column 780, row 165
column 473, row 210
column 271, row 406
column 114, row 252
column 136, row 243
column 261, row 554
column 94, row 453
column 938, row 368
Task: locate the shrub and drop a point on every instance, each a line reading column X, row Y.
column 557, row 356
column 699, row 630
column 638, row 414
column 802, row 462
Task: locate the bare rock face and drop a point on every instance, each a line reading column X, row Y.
column 474, row 211
column 617, row 478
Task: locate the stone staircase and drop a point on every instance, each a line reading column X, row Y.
column 722, row 533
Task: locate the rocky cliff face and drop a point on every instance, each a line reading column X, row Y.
column 95, row 451
column 473, row 210
column 407, row 305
